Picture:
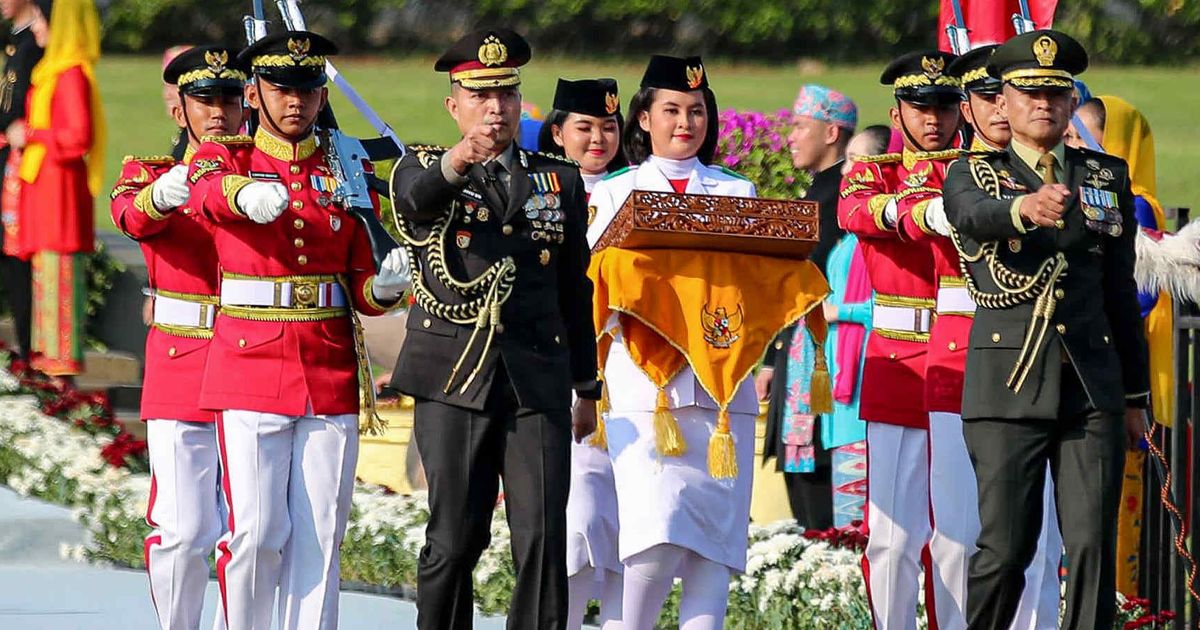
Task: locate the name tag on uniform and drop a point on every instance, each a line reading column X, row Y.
column 264, row 176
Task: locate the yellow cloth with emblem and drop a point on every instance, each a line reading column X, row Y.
column 1127, row 135
column 714, row 311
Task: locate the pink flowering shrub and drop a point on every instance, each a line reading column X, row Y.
column 755, row 146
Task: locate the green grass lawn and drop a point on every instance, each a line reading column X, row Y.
column 408, row 94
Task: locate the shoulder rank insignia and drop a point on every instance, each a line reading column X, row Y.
column 556, row 158
column 229, row 140
column 149, row 159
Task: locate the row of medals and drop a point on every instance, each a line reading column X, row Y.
column 542, row 210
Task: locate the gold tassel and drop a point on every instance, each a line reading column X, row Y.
column 369, row 422
column 722, row 458
column 599, row 438
column 820, row 387
column 668, row 438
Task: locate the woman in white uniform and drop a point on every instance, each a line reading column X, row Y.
column 676, row 519
column 585, row 126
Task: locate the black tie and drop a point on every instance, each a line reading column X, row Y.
column 493, row 169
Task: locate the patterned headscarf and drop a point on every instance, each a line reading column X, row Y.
column 827, row 105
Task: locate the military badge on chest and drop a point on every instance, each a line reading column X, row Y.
column 1101, row 210
column 543, row 209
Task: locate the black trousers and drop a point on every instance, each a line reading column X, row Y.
column 17, row 279
column 465, row 454
column 1086, row 451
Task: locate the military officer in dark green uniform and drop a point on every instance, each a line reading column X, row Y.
column 1057, row 368
column 500, row 333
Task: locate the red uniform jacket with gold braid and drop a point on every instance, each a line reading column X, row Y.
column 277, row 366
column 180, row 261
column 901, row 273
column 947, row 358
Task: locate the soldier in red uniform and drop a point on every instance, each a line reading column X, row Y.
column 901, row 272
column 149, row 204
column 286, row 366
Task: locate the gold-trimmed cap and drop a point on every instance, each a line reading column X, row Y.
column 485, row 59
column 971, row 70
column 207, row 70
column 921, row 78
column 294, row 59
column 1039, row 60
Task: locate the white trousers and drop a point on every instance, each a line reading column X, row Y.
column 649, row 576
column 591, row 583
column 897, row 521
column 954, row 504
column 288, row 482
column 184, row 512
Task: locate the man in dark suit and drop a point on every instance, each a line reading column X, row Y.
column 1057, row 368
column 824, row 122
column 500, row 333
column 21, row 54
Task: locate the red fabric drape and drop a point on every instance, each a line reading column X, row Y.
column 990, row 21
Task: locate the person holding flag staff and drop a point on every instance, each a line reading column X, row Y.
column 1057, row 362
column 681, row 424
column 149, row 205
column 585, row 126
column 499, row 334
column 902, row 275
column 286, row 369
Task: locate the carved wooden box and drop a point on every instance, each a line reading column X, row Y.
column 765, row 227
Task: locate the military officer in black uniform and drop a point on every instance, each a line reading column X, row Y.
column 499, row 334
column 21, row 54
column 1056, row 368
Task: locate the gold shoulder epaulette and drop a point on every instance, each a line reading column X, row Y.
column 551, row 156
column 882, row 158
column 149, row 159
column 940, row 155
column 229, row 140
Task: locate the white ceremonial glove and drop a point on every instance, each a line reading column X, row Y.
column 889, row 213
column 394, row 277
column 170, row 190
column 262, row 202
column 935, row 216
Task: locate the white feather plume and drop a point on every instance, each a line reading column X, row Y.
column 1171, row 264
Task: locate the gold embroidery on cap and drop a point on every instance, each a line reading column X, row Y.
column 493, row 52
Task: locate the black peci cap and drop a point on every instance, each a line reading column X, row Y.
column 1039, row 60
column 682, row 74
column 590, row 97
column 920, row 78
column 971, row 70
column 207, row 70
column 294, row 59
column 487, row 58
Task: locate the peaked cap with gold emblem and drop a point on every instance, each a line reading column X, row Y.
column 920, row 78
column 485, row 59
column 971, row 69
column 207, row 70
column 590, row 97
column 294, row 59
column 682, row 74
column 1039, row 60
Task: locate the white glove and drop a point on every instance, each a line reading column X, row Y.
column 935, row 216
column 889, row 213
column 170, row 190
column 394, row 277
column 262, row 202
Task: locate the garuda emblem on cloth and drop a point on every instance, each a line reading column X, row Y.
column 721, row 327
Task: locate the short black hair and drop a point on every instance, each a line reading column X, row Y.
column 879, row 137
column 1095, row 108
column 636, row 141
column 557, row 117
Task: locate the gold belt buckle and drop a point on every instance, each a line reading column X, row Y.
column 304, row 294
